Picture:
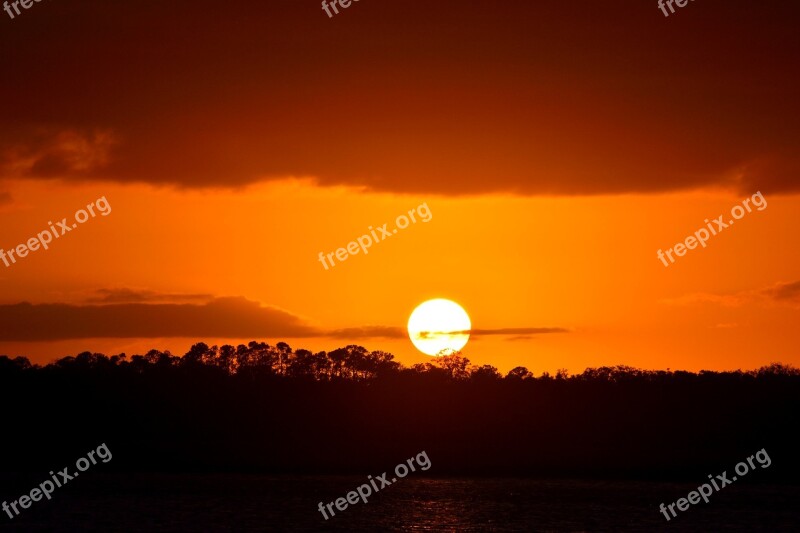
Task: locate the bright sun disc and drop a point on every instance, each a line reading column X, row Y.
column 438, row 325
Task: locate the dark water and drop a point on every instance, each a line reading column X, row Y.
column 237, row 503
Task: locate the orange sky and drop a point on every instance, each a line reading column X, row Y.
column 557, row 147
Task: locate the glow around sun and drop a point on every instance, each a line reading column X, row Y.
column 438, row 325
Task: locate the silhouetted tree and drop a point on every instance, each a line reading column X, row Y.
column 519, row 373
column 18, row 364
column 382, row 363
column 226, row 358
column 302, row 364
column 284, row 355
column 485, row 373
column 321, row 365
column 455, row 364
column 198, row 354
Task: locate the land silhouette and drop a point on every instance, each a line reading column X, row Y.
column 272, row 409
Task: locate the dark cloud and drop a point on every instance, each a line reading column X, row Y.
column 221, row 317
column 451, row 97
column 127, row 295
column 783, row 292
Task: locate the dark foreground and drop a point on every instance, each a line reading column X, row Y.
column 255, row 437
column 237, row 503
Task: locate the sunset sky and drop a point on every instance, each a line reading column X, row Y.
column 558, row 145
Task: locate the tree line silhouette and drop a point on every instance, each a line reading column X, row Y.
column 352, row 362
column 259, row 407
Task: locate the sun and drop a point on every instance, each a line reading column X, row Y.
column 438, row 325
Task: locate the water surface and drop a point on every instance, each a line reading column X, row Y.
column 241, row 503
